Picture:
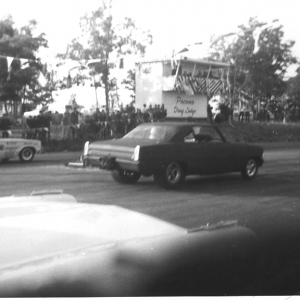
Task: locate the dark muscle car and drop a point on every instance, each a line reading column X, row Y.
column 170, row 151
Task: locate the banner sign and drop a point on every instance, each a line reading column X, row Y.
column 185, row 106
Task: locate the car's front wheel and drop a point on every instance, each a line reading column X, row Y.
column 26, row 154
column 123, row 176
column 250, row 169
column 172, row 176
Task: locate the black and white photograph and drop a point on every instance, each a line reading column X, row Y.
column 149, row 148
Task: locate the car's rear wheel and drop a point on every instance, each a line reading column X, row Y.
column 123, row 176
column 172, row 176
column 250, row 169
column 26, row 154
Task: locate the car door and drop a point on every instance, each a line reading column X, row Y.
column 203, row 156
column 226, row 153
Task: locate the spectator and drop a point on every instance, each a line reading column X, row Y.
column 113, row 124
column 74, row 122
column 144, row 108
column 268, row 116
column 155, row 113
column 132, row 120
column 103, row 124
column 94, row 123
column 124, row 122
column 247, row 114
column 150, row 111
column 56, row 125
column 5, row 124
column 241, row 114
column 66, row 123
column 146, row 117
column 118, row 123
column 163, row 112
column 139, row 117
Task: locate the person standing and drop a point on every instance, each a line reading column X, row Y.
column 66, row 124
column 55, row 125
column 247, row 114
column 74, row 122
column 241, row 115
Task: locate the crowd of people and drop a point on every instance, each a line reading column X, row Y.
column 73, row 124
column 120, row 121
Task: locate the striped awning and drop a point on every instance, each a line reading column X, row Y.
column 195, row 85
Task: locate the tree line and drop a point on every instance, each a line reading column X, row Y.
column 259, row 63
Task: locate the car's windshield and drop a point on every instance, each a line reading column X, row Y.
column 152, row 132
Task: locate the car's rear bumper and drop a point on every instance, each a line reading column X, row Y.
column 113, row 163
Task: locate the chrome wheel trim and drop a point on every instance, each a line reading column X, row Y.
column 27, row 154
column 173, row 172
column 251, row 167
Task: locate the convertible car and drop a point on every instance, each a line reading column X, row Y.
column 52, row 246
column 22, row 148
column 171, row 151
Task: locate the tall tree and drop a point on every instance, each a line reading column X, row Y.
column 18, row 44
column 102, row 42
column 259, row 58
column 294, row 87
column 129, row 83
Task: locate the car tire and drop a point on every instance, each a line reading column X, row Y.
column 26, row 154
column 250, row 169
column 172, row 176
column 123, row 176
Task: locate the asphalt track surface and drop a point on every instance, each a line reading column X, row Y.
column 269, row 204
column 274, row 195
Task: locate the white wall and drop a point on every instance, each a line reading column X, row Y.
column 149, row 90
column 149, row 85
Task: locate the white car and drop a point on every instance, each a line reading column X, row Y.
column 22, row 148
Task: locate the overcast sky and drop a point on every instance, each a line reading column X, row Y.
column 173, row 23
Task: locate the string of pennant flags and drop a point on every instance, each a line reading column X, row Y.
column 24, row 61
column 192, row 85
column 189, row 85
column 43, row 76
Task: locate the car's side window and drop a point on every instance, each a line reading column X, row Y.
column 203, row 134
column 211, row 135
column 190, row 138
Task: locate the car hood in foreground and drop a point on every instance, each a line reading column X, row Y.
column 51, row 246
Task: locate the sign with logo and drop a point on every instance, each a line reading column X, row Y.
column 185, row 106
